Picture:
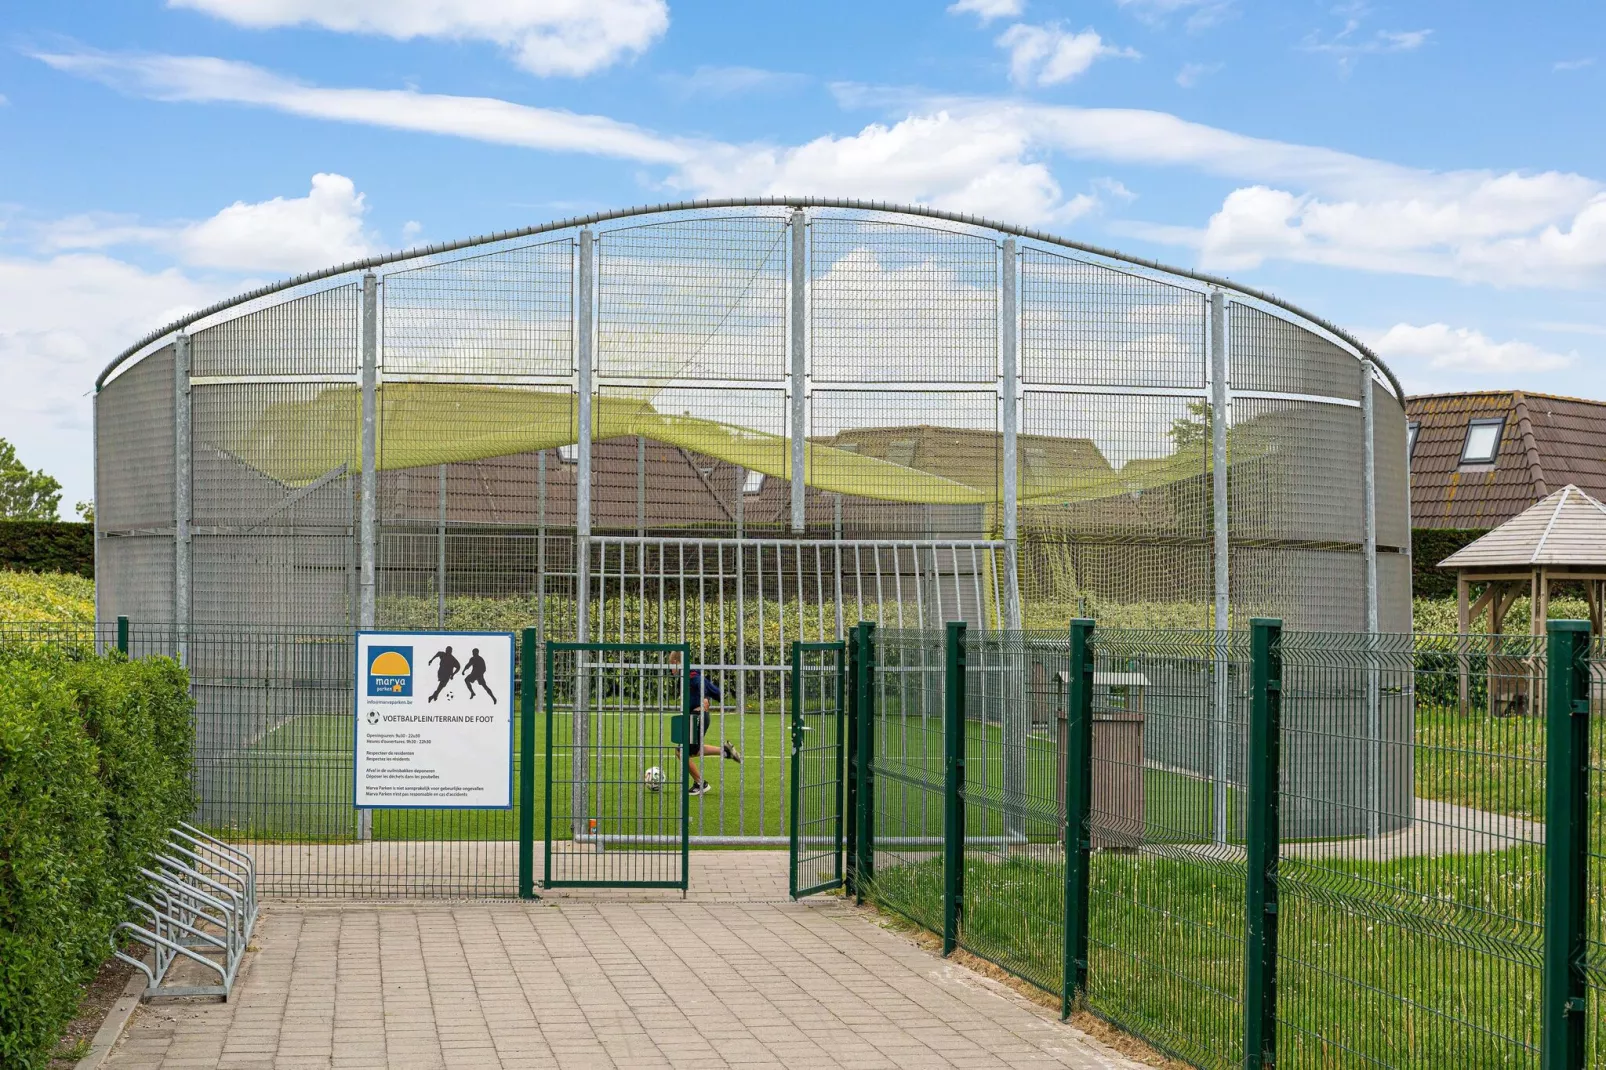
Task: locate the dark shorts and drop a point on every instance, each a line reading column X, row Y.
column 700, row 731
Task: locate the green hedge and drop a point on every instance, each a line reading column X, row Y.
column 94, row 769
column 1429, row 546
column 47, row 546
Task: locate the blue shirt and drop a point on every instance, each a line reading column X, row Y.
column 701, row 688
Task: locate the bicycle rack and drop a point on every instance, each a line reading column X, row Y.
column 199, row 905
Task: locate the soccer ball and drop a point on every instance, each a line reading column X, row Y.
column 653, row 778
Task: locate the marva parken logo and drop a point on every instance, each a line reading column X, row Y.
column 390, row 671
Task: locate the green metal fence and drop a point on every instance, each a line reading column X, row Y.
column 1307, row 850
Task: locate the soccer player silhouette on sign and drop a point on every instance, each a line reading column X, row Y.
column 474, row 673
column 448, row 669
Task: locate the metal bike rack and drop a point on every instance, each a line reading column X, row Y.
column 199, row 904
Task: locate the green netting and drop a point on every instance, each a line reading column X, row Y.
column 296, row 442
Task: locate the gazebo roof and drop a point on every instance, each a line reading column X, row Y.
column 1566, row 528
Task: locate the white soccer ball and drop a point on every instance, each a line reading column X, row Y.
column 653, row 778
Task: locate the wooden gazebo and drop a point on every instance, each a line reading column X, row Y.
column 1560, row 539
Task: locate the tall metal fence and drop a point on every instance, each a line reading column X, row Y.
column 1404, row 865
column 450, row 437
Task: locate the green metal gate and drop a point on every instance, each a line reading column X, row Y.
column 819, row 731
column 616, row 772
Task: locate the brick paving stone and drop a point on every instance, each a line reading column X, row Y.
column 732, row 975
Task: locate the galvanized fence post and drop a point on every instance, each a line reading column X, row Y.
column 866, row 814
column 1565, row 992
column 122, row 636
column 953, row 803
column 1264, row 836
column 1078, row 807
column 527, row 692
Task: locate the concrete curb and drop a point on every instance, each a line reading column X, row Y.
column 111, row 1030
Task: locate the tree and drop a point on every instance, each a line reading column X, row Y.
column 25, row 495
column 86, row 511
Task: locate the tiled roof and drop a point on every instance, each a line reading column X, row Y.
column 1566, row 528
column 1547, row 442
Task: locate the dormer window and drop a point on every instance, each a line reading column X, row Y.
column 1410, row 439
column 1482, row 444
column 753, row 482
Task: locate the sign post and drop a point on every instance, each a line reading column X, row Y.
column 434, row 725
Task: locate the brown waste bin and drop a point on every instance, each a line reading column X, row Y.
column 1117, row 816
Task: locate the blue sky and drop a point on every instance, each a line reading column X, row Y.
column 1430, row 175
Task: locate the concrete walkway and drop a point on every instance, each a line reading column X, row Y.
column 733, row 976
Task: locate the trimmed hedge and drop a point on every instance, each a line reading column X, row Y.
column 94, row 769
column 1429, row 546
column 47, row 546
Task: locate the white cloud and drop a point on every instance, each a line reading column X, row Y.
column 733, row 81
column 988, row 10
column 1350, row 43
column 62, row 318
column 201, row 79
column 1547, row 229
column 545, row 37
column 1189, row 75
column 1049, row 55
column 279, row 235
column 1440, row 347
column 1201, row 13
column 968, row 164
column 994, row 157
column 1574, row 64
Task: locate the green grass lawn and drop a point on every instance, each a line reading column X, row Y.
column 1421, row 962
column 295, row 784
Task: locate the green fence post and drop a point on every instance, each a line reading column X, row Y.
column 527, row 693
column 1264, row 835
column 953, row 802
column 850, row 772
column 1078, row 807
column 1562, row 1015
column 795, row 734
column 122, row 636
column 866, row 749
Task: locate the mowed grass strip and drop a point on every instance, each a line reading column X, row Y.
column 1415, row 962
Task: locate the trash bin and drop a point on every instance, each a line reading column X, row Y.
column 1118, row 787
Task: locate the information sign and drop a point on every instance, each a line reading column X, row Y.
column 434, row 720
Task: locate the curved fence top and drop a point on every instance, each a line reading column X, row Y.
column 1362, row 351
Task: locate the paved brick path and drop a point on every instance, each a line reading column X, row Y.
column 732, row 976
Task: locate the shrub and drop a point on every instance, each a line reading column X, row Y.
column 94, row 768
column 49, row 597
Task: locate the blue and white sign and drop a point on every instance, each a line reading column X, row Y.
column 434, row 720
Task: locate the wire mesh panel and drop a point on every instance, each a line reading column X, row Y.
column 502, row 313
column 1014, row 802
column 1167, row 880
column 1417, row 943
column 907, row 764
column 1085, row 324
column 693, row 300
column 740, row 604
column 818, row 701
column 1272, row 354
column 892, row 302
column 134, row 484
column 274, row 768
column 623, row 735
column 272, row 504
column 315, row 334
